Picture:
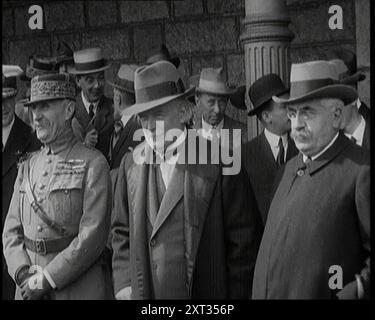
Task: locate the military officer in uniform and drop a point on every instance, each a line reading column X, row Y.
column 59, row 216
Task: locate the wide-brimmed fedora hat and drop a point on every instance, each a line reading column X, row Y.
column 39, row 65
column 52, row 87
column 262, row 90
column 161, row 53
column 349, row 59
column 155, row 85
column 315, row 80
column 125, row 78
column 213, row 81
column 9, row 80
column 89, row 60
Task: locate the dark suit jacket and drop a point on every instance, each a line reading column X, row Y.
column 103, row 122
column 124, row 142
column 262, row 169
column 364, row 110
column 20, row 141
column 318, row 218
column 222, row 229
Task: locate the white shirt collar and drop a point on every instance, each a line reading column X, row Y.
column 273, row 141
column 167, row 166
column 324, row 150
column 87, row 103
column 6, row 132
column 358, row 103
column 208, row 130
column 359, row 132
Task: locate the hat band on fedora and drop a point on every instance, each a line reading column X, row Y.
column 86, row 66
column 124, row 84
column 157, row 91
column 42, row 66
column 300, row 88
column 212, row 86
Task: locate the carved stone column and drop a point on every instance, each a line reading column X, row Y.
column 266, row 40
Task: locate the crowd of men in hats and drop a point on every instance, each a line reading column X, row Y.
column 99, row 204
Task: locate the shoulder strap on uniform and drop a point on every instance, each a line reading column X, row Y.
column 39, row 210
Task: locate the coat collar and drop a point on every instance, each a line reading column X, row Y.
column 341, row 143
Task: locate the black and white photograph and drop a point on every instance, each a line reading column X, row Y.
column 194, row 150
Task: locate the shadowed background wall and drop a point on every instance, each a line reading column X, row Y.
column 201, row 32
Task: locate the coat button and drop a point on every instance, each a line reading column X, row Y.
column 300, row 172
column 42, row 186
column 39, row 228
column 44, row 173
column 49, row 160
column 66, row 191
column 153, row 242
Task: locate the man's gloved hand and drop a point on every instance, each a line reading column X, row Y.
column 35, row 287
column 124, row 294
column 91, row 138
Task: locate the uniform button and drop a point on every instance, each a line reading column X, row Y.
column 42, row 186
column 40, row 199
column 300, row 172
column 45, row 173
column 39, row 228
column 153, row 242
column 66, row 191
column 49, row 160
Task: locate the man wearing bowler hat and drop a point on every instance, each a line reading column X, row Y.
column 266, row 153
column 356, row 122
column 211, row 97
column 18, row 140
column 93, row 120
column 316, row 242
column 58, row 220
column 181, row 229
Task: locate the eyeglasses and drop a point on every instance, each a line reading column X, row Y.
column 304, row 113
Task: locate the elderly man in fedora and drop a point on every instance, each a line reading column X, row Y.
column 356, row 122
column 316, row 242
column 18, row 140
column 59, row 216
column 211, row 97
column 266, row 153
column 181, row 229
column 93, row 121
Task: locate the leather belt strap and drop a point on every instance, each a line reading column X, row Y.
column 45, row 246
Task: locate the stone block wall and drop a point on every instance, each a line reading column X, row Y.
column 201, row 32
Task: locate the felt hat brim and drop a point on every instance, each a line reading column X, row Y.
column 226, row 92
column 114, row 85
column 344, row 92
column 255, row 110
column 141, row 107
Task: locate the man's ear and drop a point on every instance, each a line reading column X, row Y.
column 337, row 116
column 265, row 116
column 70, row 109
column 78, row 78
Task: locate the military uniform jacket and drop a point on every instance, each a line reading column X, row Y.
column 103, row 122
column 72, row 185
column 319, row 217
column 222, row 229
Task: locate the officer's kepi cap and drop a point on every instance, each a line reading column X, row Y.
column 52, row 87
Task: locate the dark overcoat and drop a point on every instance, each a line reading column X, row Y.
column 319, row 217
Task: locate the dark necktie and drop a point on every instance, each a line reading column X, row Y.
column 353, row 139
column 91, row 111
column 117, row 131
column 280, row 157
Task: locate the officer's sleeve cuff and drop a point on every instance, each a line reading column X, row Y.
column 360, row 289
column 49, row 279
